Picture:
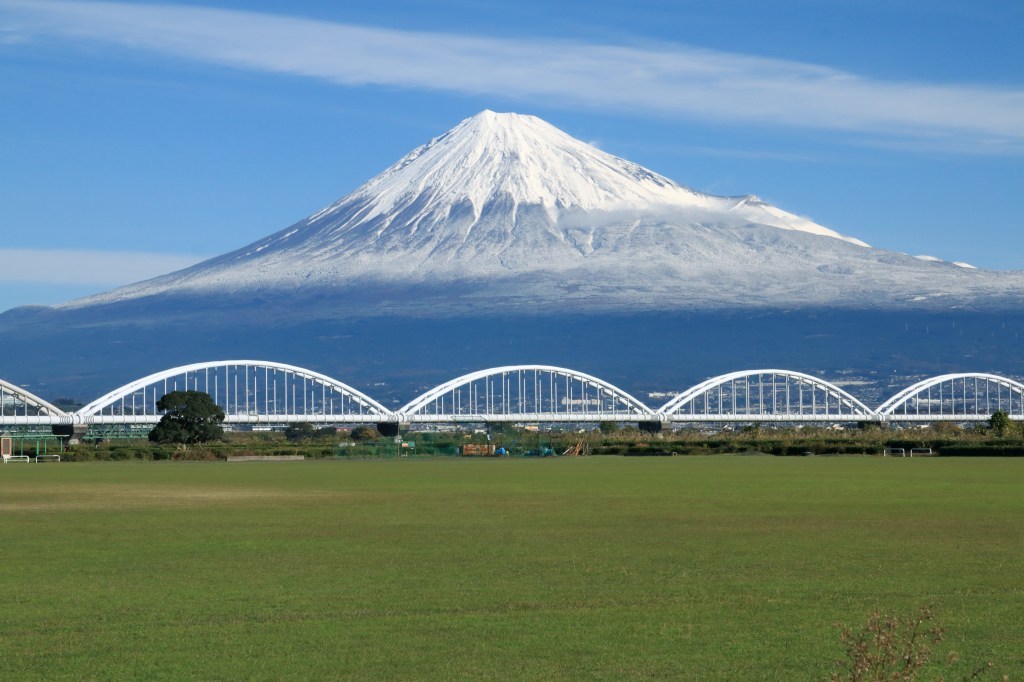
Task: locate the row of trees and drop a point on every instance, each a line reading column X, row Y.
column 192, row 417
column 305, row 432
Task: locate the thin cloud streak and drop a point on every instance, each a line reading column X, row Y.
column 671, row 80
column 103, row 268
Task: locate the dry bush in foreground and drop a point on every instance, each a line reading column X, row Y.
column 891, row 649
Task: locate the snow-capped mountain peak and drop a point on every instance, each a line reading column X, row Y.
column 507, row 210
column 523, row 160
column 527, row 161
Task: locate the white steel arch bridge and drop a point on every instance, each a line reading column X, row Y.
column 956, row 397
column 18, row 407
column 249, row 392
column 525, row 393
column 774, row 395
column 266, row 392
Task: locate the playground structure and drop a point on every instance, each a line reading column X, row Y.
column 44, row 447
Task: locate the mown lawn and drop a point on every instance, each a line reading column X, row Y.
column 596, row 568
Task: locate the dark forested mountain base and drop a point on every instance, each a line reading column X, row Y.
column 394, row 358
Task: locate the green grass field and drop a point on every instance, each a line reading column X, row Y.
column 596, row 568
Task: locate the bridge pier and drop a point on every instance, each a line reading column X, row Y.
column 73, row 432
column 649, row 427
column 391, row 429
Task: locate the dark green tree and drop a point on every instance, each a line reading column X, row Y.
column 607, row 428
column 297, row 433
column 1000, row 423
column 189, row 417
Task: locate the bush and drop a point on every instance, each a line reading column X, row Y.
column 364, row 433
column 296, row 433
column 887, row 647
column 892, row 649
column 982, row 451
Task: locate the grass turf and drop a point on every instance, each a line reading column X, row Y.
column 594, row 568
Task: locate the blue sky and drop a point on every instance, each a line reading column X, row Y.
column 137, row 138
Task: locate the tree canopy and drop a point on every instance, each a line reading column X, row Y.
column 1000, row 423
column 189, row 417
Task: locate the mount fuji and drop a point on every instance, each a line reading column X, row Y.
column 515, row 239
column 507, row 210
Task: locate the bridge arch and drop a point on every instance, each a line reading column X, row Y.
column 17, row 405
column 249, row 391
column 526, row 393
column 765, row 395
column 969, row 396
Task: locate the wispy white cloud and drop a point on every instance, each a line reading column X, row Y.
column 101, row 268
column 668, row 80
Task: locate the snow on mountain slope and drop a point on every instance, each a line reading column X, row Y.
column 526, row 161
column 526, row 212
